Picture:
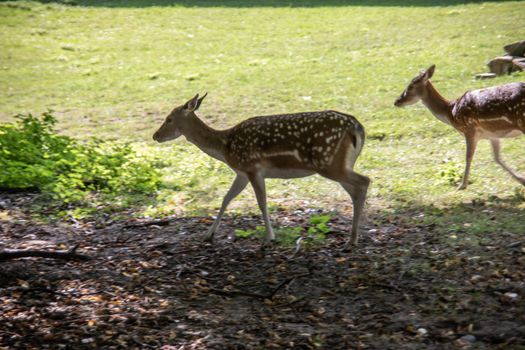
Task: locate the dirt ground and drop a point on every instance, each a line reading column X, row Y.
column 155, row 284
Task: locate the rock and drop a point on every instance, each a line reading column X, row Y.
column 486, row 76
column 515, row 49
column 499, row 331
column 422, row 331
column 519, row 63
column 501, row 65
column 510, row 297
column 468, row 338
column 476, row 278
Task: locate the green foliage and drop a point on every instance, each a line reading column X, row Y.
column 33, row 156
column 450, row 173
column 320, row 224
column 287, row 236
column 317, row 232
column 259, row 230
column 314, row 61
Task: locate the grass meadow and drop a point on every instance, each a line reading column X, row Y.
column 114, row 69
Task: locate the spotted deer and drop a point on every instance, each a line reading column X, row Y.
column 492, row 113
column 277, row 146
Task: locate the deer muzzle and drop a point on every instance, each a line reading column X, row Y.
column 157, row 137
column 399, row 101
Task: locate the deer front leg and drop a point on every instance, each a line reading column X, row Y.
column 237, row 186
column 496, row 149
column 472, row 142
column 259, row 187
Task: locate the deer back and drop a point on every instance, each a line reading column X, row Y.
column 308, row 141
column 497, row 111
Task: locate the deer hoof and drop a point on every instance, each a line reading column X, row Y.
column 351, row 243
column 208, row 237
column 348, row 247
column 268, row 243
column 461, row 187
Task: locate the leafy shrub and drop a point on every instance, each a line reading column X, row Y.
column 33, row 156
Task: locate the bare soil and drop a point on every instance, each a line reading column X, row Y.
column 155, row 284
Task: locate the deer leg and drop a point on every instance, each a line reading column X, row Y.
column 237, row 186
column 259, row 187
column 356, row 186
column 472, row 142
column 496, row 149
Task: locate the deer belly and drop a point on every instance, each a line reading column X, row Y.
column 280, row 173
column 285, row 165
column 490, row 134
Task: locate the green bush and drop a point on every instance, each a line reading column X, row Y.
column 34, row 157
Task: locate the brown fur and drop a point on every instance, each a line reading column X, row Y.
column 277, row 146
column 492, row 113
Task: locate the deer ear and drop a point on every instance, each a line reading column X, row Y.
column 430, row 71
column 199, row 101
column 192, row 104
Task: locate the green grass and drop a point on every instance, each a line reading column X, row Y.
column 114, row 69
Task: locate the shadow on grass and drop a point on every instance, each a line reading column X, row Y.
column 475, row 220
column 261, row 3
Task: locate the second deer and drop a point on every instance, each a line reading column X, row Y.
column 492, row 113
column 278, row 146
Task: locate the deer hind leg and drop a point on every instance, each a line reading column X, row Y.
column 472, row 142
column 236, row 188
column 496, row 149
column 356, row 186
column 259, row 187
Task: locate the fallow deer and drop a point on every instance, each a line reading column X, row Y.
column 492, row 113
column 277, row 146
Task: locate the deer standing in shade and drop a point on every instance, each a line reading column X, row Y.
column 277, row 146
column 492, row 113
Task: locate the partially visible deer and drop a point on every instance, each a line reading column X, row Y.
column 492, row 113
column 277, row 146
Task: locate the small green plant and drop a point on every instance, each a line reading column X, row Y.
column 317, row 232
column 287, row 236
column 259, row 231
column 34, row 157
column 450, row 173
column 320, row 224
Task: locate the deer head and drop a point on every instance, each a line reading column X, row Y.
column 173, row 126
column 416, row 89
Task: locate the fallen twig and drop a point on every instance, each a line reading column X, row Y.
column 298, row 242
column 283, row 283
column 293, row 302
column 161, row 222
column 233, row 293
column 62, row 255
column 256, row 295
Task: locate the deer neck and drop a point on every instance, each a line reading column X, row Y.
column 439, row 106
column 209, row 140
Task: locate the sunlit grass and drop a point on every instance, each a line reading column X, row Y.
column 114, row 72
